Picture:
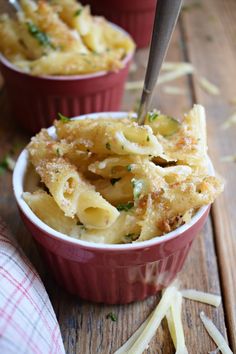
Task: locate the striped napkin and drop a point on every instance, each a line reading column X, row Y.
column 27, row 321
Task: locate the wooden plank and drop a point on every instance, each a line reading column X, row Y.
column 84, row 326
column 215, row 59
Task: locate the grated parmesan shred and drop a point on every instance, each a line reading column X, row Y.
column 228, row 158
column 215, row 334
column 175, row 325
column 201, row 296
column 139, row 341
column 127, row 345
column 173, row 90
column 229, row 122
column 10, row 163
column 174, row 71
column 208, row 87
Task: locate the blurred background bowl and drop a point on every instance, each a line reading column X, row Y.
column 36, row 100
column 135, row 16
column 112, row 274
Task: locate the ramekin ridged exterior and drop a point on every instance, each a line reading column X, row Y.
column 36, row 100
column 111, row 274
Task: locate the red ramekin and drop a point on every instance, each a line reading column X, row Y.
column 36, row 100
column 135, row 16
column 111, row 274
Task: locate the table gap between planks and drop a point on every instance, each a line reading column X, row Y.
column 205, row 35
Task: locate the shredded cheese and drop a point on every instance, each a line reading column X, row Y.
column 215, row 334
column 170, row 66
column 134, row 85
column 229, row 122
column 127, row 345
column 158, row 314
column 201, row 296
column 228, row 158
column 174, row 71
column 208, row 87
column 173, row 90
column 175, row 325
column 175, row 74
column 10, row 163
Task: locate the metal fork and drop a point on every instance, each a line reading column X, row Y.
column 167, row 12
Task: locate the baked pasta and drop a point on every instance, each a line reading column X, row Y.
column 112, row 181
column 61, row 38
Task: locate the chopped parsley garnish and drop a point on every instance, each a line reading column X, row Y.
column 112, row 316
column 129, row 238
column 114, row 180
column 58, row 152
column 3, row 166
column 40, row 36
column 78, row 12
column 108, row 146
column 82, row 227
column 129, row 168
column 138, row 185
column 7, row 164
column 125, row 206
column 63, row 118
column 148, row 139
column 152, row 116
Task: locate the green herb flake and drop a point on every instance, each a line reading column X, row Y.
column 129, row 238
column 78, row 12
column 3, row 166
column 125, row 206
column 112, row 316
column 148, row 139
column 114, row 180
column 7, row 164
column 129, row 168
column 63, row 118
column 40, row 36
column 108, row 146
column 152, row 116
column 138, row 185
column 58, row 152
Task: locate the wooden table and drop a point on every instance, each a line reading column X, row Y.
column 205, row 36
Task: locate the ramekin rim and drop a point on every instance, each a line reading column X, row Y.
column 126, row 59
column 18, row 189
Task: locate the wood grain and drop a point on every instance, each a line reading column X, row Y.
column 85, row 328
column 215, row 59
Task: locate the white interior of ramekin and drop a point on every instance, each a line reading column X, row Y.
column 127, row 58
column 18, row 187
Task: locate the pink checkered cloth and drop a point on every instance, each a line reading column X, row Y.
column 27, row 321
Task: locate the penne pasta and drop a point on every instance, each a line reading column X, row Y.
column 115, row 190
column 45, row 207
column 121, row 195
column 62, row 38
column 111, row 138
column 94, row 211
column 63, row 182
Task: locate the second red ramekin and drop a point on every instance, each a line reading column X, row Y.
column 135, row 16
column 112, row 274
column 36, row 100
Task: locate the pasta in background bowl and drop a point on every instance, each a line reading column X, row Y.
column 58, row 58
column 141, row 263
